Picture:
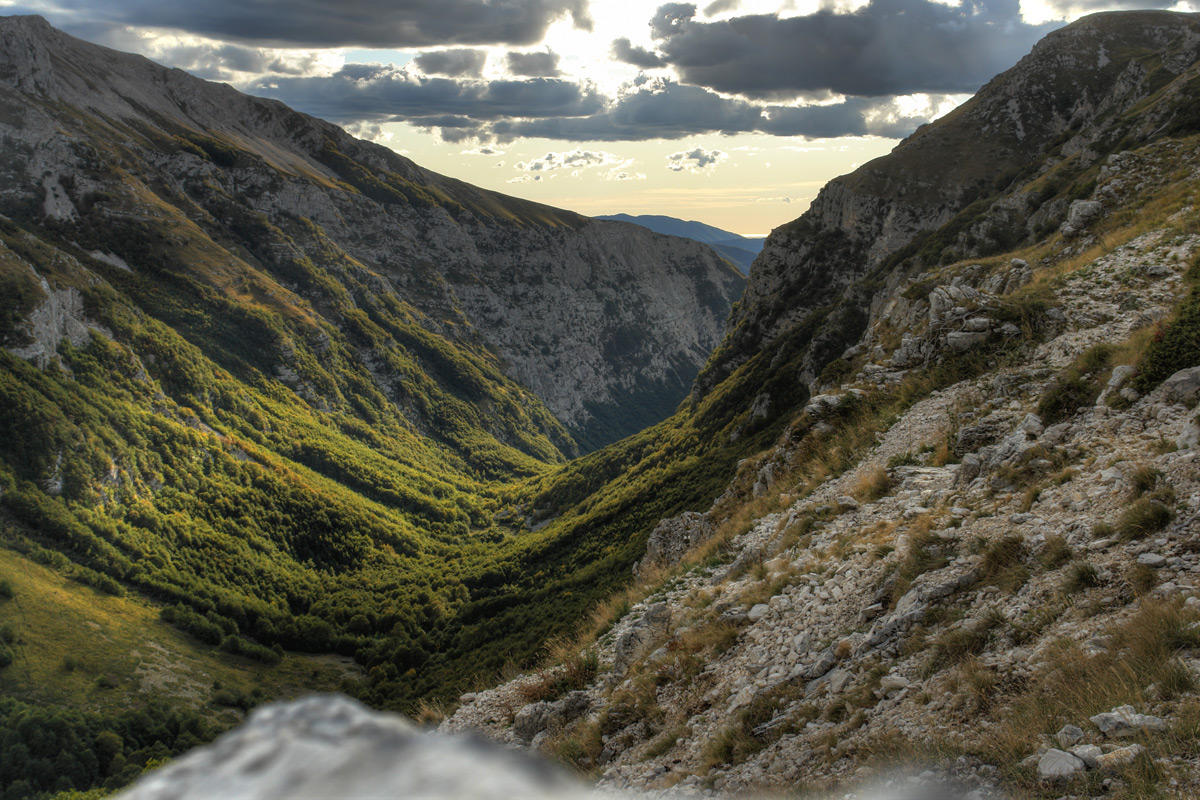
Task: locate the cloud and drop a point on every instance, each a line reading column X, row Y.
column 622, row 175
column 785, row 200
column 384, row 92
column 696, row 160
column 720, row 6
column 452, row 63
column 625, row 51
column 482, row 151
column 361, row 23
column 573, row 160
column 886, row 47
column 534, row 65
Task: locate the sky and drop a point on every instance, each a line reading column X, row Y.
column 730, row 112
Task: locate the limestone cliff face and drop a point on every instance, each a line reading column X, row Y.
column 1068, row 99
column 606, row 322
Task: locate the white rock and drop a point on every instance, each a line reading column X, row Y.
column 1155, row 560
column 1126, row 721
column 1088, row 754
column 1069, row 736
column 758, row 612
column 1057, row 765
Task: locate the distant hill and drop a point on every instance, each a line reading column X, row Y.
column 738, row 249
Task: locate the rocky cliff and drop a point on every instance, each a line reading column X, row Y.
column 968, row 561
column 607, row 323
column 964, row 187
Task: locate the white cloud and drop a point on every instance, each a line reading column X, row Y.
column 575, row 162
column 482, row 151
column 695, row 160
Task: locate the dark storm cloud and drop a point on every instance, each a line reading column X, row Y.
column 376, row 92
column 886, row 47
column 663, row 109
column 453, row 63
column 625, row 51
column 534, row 65
column 363, row 23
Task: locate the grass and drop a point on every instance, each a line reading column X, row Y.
column 1003, row 564
column 74, row 644
column 1081, row 575
column 1144, row 516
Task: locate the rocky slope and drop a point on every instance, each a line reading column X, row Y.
column 952, row 189
column 969, row 562
column 606, row 323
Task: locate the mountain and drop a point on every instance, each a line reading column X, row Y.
column 608, row 350
column 955, row 553
column 932, row 501
column 741, row 250
column 271, row 398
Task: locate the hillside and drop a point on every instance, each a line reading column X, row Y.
column 740, row 250
column 278, row 388
column 960, row 555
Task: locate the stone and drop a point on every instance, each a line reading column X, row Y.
column 1126, row 721
column 962, row 341
column 1121, row 757
column 1059, row 766
column 847, row 502
column 1089, row 754
column 1183, row 386
column 839, row 679
column 758, row 612
column 891, row 683
column 638, row 639
column 1154, row 560
column 673, row 538
column 1083, row 212
column 332, row 746
column 821, row 404
column 1069, row 736
column 1189, row 438
column 1031, row 425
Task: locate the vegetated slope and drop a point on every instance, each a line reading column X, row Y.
column 977, row 545
column 276, row 381
column 741, row 250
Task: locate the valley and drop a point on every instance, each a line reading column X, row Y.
column 286, row 413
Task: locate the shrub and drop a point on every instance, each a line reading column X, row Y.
column 1145, row 516
column 1003, row 563
column 1081, row 575
column 1175, row 346
column 1056, row 553
column 6, row 589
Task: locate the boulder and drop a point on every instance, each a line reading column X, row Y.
column 1183, row 386
column 1125, row 721
column 1121, row 757
column 1069, row 736
column 962, row 341
column 332, row 746
column 1058, row 766
column 1089, row 754
column 536, row 718
column 1153, row 560
column 638, row 640
column 1189, row 438
column 672, row 539
column 1083, row 213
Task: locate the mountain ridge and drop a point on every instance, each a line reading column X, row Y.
column 741, row 250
